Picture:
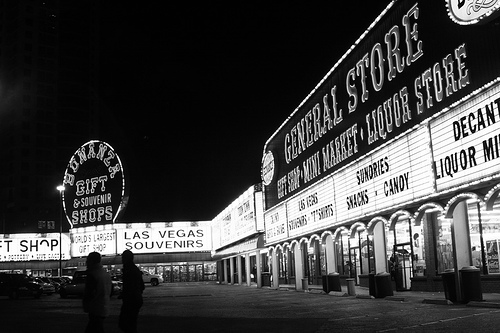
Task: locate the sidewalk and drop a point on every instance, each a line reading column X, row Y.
column 490, row 300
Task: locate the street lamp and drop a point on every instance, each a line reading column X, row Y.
column 60, row 188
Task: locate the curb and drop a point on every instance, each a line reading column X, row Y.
column 479, row 304
column 437, row 301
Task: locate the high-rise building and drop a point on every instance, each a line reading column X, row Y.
column 49, row 104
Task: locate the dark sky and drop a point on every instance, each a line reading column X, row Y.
column 197, row 89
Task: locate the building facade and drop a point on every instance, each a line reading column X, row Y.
column 391, row 161
column 238, row 241
column 178, row 251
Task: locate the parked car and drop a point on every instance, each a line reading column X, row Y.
column 48, row 288
column 17, row 285
column 154, row 279
column 52, row 281
column 117, row 283
column 60, row 280
column 75, row 287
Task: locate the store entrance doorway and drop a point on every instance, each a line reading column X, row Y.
column 404, row 271
column 354, row 264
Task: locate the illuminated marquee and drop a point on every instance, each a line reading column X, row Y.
column 239, row 219
column 410, row 64
column 27, row 247
column 164, row 240
column 94, row 184
column 466, row 143
column 82, row 243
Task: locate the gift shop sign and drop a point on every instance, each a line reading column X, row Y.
column 27, row 247
column 164, row 240
column 411, row 64
column 466, row 141
column 82, row 243
column 312, row 209
column 94, row 185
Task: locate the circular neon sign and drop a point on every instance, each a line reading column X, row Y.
column 94, row 186
column 268, row 167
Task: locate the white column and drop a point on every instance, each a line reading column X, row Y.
column 231, row 270
column 461, row 242
column 248, row 269
column 379, row 248
column 299, row 267
column 224, row 278
column 276, row 271
column 331, row 261
column 259, row 268
column 239, row 268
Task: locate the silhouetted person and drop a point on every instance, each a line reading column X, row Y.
column 132, row 288
column 96, row 294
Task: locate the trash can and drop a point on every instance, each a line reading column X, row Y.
column 266, row 279
column 371, row 285
column 351, row 289
column 383, row 285
column 331, row 282
column 305, row 284
column 470, row 277
column 449, row 285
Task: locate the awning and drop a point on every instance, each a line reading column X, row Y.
column 245, row 246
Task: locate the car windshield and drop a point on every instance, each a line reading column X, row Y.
column 79, row 278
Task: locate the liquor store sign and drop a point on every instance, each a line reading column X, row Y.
column 94, row 185
column 410, row 65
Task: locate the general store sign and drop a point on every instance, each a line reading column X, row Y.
column 28, row 247
column 410, row 65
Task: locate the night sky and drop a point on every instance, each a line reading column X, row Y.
column 191, row 93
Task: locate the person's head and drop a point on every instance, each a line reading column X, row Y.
column 127, row 257
column 93, row 259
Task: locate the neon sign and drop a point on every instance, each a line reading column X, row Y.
column 94, row 184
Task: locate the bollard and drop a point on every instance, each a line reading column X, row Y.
column 351, row 291
column 305, row 284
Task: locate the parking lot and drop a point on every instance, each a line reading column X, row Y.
column 201, row 307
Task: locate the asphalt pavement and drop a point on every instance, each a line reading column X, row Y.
column 215, row 308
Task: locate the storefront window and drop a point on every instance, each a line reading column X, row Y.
column 342, row 254
column 475, row 226
column 419, row 268
column 283, row 265
column 291, row 263
column 367, row 261
column 314, row 262
column 444, row 244
column 487, row 222
column 322, row 260
column 210, row 271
